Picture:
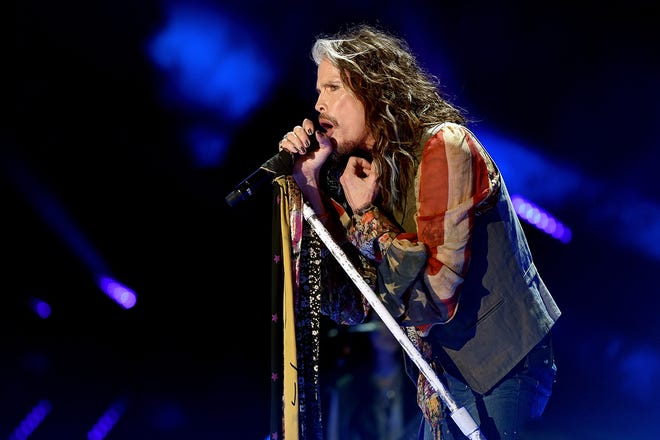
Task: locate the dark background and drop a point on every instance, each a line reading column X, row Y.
column 99, row 172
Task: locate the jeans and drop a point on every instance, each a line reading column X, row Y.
column 503, row 412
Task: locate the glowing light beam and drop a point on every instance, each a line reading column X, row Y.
column 556, row 185
column 47, row 206
column 107, row 421
column 540, row 218
column 31, row 421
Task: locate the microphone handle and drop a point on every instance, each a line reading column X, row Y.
column 278, row 165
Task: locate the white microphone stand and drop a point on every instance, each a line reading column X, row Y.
column 460, row 415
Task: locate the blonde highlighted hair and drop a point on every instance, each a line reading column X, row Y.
column 401, row 99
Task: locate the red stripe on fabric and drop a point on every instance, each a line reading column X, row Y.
column 410, row 236
column 433, row 183
column 480, row 172
column 481, row 190
column 433, row 198
column 450, row 303
column 433, row 265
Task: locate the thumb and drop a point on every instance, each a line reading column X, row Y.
column 323, row 139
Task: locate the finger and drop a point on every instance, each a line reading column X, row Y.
column 302, row 136
column 283, row 143
column 365, row 166
column 360, row 161
column 361, row 167
column 323, row 139
column 308, row 126
column 292, row 143
column 351, row 162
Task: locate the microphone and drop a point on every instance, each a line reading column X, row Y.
column 279, row 165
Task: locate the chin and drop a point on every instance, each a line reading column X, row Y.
column 342, row 150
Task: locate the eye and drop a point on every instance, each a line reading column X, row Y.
column 329, row 88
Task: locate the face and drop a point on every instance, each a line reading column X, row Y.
column 340, row 112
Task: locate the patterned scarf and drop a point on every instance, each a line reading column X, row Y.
column 295, row 318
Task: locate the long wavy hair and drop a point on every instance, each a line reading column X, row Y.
column 401, row 99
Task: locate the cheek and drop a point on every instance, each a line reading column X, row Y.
column 351, row 110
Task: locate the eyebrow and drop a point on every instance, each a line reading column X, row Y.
column 334, row 82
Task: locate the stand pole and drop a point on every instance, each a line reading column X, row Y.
column 460, row 415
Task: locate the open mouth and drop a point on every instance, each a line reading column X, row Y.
column 326, row 126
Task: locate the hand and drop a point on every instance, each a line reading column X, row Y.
column 298, row 140
column 360, row 183
column 308, row 164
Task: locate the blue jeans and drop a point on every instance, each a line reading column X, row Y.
column 503, row 412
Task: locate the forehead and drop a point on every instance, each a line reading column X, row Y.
column 327, row 73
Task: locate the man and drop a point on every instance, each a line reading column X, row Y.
column 422, row 201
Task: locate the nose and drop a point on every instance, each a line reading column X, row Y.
column 320, row 106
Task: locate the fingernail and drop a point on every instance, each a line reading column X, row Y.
column 307, row 142
column 310, row 131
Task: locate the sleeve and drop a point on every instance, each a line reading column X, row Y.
column 420, row 275
column 343, row 302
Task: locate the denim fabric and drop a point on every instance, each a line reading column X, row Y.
column 503, row 412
